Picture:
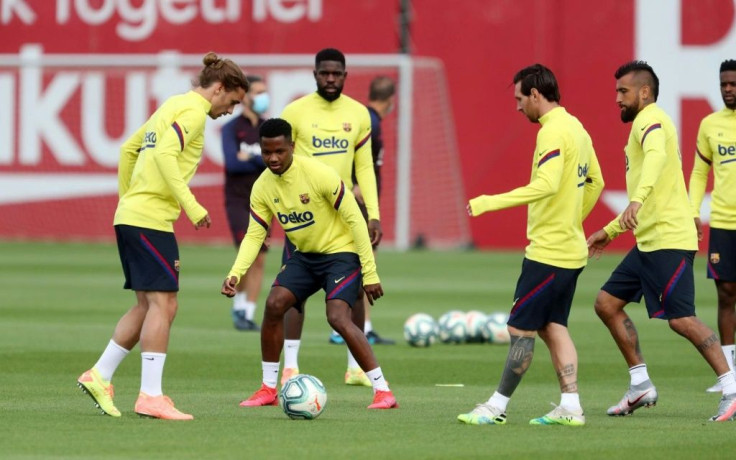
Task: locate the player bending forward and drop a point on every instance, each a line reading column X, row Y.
column 324, row 222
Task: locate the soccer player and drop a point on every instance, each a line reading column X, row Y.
column 716, row 148
column 243, row 165
column 660, row 266
column 333, row 253
column 336, row 130
column 156, row 164
column 565, row 184
column 381, row 101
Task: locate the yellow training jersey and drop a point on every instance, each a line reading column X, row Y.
column 566, row 182
column 157, row 163
column 317, row 212
column 337, row 133
column 654, row 178
column 717, row 149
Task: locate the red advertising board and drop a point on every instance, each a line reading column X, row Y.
column 482, row 44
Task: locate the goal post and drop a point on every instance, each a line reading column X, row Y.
column 68, row 114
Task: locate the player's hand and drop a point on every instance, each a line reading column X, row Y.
column 628, row 219
column 373, row 291
column 375, row 232
column 699, row 228
column 597, row 242
column 469, row 209
column 228, row 286
column 204, row 222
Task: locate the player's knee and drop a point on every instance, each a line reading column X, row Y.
column 604, row 308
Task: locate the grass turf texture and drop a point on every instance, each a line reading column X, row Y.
column 59, row 304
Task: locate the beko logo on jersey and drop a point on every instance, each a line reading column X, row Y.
column 723, row 150
column 583, row 170
column 329, row 143
column 295, row 217
column 150, row 137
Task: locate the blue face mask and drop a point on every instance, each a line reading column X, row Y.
column 260, row 103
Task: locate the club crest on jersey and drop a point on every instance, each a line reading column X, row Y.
column 176, row 265
column 347, row 127
column 304, row 198
column 715, row 257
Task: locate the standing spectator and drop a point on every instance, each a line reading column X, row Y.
column 243, row 165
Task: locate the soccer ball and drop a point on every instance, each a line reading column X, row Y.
column 495, row 330
column 420, row 330
column 303, row 397
column 453, row 327
column 474, row 322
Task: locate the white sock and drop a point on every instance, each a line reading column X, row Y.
column 352, row 363
column 110, row 360
column 638, row 374
column 570, row 401
column 270, row 373
column 239, row 301
column 379, row 383
column 250, row 308
column 152, row 371
column 728, row 352
column 498, row 400
column 368, row 326
column 291, row 353
column 728, row 382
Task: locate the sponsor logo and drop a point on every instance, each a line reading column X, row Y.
column 715, row 257
column 726, row 150
column 295, row 217
column 276, row 200
column 339, row 279
column 176, row 265
column 347, row 127
column 583, row 170
column 335, row 192
column 304, row 198
column 149, row 137
column 329, row 143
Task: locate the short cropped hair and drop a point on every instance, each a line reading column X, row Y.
column 639, row 67
column 275, row 127
column 329, row 54
column 539, row 77
column 381, row 89
column 727, row 65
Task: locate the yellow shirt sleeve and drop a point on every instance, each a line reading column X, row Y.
column 260, row 216
column 653, row 144
column 165, row 157
column 701, row 169
column 593, row 185
column 365, row 174
column 549, row 164
column 128, row 156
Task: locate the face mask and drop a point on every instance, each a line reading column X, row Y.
column 260, row 103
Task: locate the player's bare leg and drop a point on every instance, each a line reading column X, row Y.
column 610, row 310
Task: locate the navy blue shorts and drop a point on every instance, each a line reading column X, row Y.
column 543, row 295
column 722, row 255
column 150, row 259
column 337, row 274
column 663, row 277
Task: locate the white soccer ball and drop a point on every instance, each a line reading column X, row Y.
column 420, row 330
column 303, row 397
column 474, row 322
column 453, row 328
column 495, row 330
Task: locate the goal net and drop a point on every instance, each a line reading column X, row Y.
column 68, row 114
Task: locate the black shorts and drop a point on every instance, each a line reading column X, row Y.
column 237, row 204
column 722, row 255
column 543, row 295
column 150, row 258
column 663, row 277
column 338, row 274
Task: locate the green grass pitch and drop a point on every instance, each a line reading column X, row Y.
column 60, row 302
